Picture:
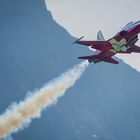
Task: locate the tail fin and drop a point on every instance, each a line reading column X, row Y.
column 100, row 36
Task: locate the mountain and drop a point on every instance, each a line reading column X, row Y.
column 103, row 104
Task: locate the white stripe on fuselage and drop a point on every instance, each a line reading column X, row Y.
column 130, row 25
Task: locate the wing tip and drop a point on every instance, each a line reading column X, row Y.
column 81, row 57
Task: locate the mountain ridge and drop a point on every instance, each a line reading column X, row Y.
column 103, row 104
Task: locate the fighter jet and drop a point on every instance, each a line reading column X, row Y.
column 123, row 42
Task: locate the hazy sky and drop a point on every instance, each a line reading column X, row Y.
column 86, row 17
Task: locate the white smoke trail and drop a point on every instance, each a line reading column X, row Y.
column 19, row 115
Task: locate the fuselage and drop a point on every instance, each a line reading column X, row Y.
column 123, row 40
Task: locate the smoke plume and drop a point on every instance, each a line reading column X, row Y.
column 21, row 114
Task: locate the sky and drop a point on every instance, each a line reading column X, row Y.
column 87, row 17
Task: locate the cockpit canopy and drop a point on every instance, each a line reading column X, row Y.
column 129, row 25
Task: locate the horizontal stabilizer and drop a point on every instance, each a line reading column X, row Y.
column 98, row 45
column 78, row 40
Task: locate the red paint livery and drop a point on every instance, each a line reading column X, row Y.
column 122, row 42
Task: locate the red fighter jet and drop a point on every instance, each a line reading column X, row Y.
column 122, row 42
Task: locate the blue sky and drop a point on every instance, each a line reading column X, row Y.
column 86, row 17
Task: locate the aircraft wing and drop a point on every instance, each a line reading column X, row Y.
column 98, row 45
column 133, row 40
column 111, row 60
column 102, row 56
column 132, row 49
column 94, row 58
column 135, row 49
